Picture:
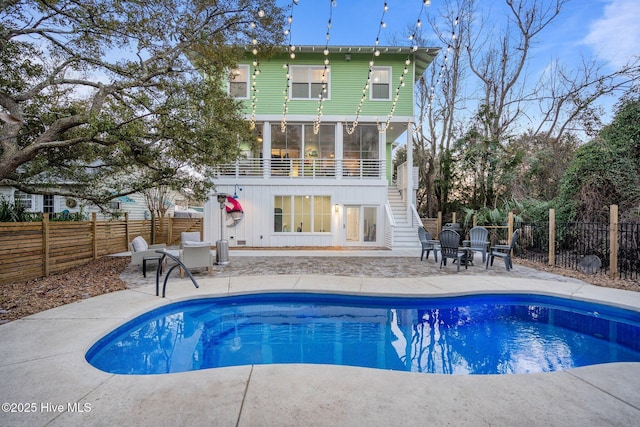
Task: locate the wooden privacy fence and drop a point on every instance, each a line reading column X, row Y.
column 35, row 249
column 498, row 234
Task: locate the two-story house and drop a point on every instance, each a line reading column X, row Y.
column 319, row 171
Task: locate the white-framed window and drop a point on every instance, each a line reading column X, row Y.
column 380, row 86
column 115, row 205
column 308, row 81
column 302, row 214
column 239, row 82
column 48, row 205
column 23, row 199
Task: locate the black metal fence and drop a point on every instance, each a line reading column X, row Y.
column 533, row 243
column 629, row 251
column 577, row 244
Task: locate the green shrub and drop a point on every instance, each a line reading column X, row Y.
column 15, row 212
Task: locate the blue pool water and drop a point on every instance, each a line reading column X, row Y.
column 480, row 334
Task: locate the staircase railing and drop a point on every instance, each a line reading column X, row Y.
column 415, row 216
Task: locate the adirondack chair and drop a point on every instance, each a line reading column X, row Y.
column 478, row 241
column 427, row 243
column 450, row 248
column 504, row 252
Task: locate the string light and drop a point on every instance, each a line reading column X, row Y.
column 325, row 71
column 375, row 53
column 414, row 47
column 287, row 66
column 254, row 75
column 443, row 67
column 394, row 104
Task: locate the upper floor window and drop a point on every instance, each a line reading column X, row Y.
column 307, row 82
column 23, row 199
column 321, row 145
column 363, row 143
column 239, row 82
column 380, row 88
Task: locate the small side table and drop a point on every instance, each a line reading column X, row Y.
column 150, row 258
column 467, row 259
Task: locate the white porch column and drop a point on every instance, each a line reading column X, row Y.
column 410, row 196
column 382, row 153
column 266, row 149
column 338, row 155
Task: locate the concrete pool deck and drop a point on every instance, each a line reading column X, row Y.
column 43, row 369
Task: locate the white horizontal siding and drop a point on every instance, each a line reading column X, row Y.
column 256, row 227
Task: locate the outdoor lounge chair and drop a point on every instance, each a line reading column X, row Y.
column 197, row 255
column 142, row 252
column 478, row 241
column 504, row 252
column 427, row 243
column 189, row 236
column 450, row 248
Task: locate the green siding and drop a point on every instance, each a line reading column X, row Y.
column 347, row 81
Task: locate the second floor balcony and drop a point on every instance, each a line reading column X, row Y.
column 309, row 168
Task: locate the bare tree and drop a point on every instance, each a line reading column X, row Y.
column 561, row 104
column 439, row 100
column 566, row 97
column 500, row 67
column 158, row 200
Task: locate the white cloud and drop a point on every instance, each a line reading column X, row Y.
column 614, row 36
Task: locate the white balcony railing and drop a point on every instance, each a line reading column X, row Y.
column 302, row 168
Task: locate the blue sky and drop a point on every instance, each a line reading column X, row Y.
column 607, row 28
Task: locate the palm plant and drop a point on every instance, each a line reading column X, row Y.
column 14, row 212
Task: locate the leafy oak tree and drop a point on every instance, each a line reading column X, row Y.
column 102, row 98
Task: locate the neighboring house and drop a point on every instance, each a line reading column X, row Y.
column 318, row 173
column 134, row 204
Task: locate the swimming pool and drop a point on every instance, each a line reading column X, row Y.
column 475, row 334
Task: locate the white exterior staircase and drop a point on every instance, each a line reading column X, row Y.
column 405, row 233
